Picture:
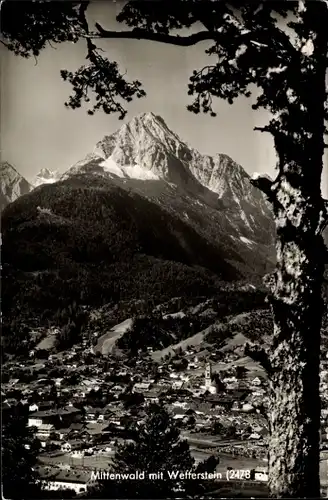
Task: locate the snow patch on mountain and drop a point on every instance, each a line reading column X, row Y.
column 257, row 175
column 246, row 240
column 46, row 176
column 130, row 171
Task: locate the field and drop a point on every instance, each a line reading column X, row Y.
column 89, row 462
column 106, row 342
column 47, row 342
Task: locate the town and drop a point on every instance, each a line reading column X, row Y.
column 82, row 404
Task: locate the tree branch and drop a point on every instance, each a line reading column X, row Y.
column 258, row 355
column 264, row 183
column 139, row 34
column 3, row 43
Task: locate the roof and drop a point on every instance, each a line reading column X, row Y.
column 45, row 427
column 73, row 477
column 76, row 426
column 96, row 428
column 178, row 411
column 75, row 443
column 89, row 409
column 141, row 385
column 58, row 475
column 153, row 393
column 53, row 412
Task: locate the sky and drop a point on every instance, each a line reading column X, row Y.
column 37, row 131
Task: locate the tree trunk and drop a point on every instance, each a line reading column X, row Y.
column 296, row 285
column 297, row 305
column 294, row 360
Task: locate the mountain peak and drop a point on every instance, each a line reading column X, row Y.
column 6, row 166
column 12, row 184
column 149, row 116
column 145, row 148
column 46, row 176
column 148, row 124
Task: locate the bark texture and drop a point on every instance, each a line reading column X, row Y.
column 295, row 355
column 296, row 285
column 293, row 360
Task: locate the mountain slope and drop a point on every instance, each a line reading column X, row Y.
column 97, row 243
column 145, row 156
column 12, row 185
column 137, row 219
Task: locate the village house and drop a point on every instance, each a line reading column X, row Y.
column 57, row 417
column 177, row 385
column 77, row 429
column 98, row 431
column 44, row 431
column 141, row 387
column 256, row 381
column 247, row 407
column 76, row 480
column 178, row 413
column 72, row 445
column 152, row 396
column 117, row 389
column 94, row 414
column 79, row 394
column 255, row 436
column 61, row 434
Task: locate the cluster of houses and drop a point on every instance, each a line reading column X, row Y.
column 78, row 417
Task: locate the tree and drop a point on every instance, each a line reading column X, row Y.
column 253, row 44
column 156, row 448
column 241, row 372
column 217, row 427
column 19, row 456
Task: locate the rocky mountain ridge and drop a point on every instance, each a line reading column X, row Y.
column 146, row 149
column 145, row 156
column 12, row 184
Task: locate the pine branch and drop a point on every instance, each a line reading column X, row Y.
column 259, row 355
column 264, row 184
column 139, row 34
column 3, row 43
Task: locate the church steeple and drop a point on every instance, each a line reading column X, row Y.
column 210, row 385
column 208, row 375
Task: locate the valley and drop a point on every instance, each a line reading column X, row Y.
column 136, row 278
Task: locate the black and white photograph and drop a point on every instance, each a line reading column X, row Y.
column 164, row 249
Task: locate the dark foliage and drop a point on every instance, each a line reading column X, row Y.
column 94, row 245
column 156, row 331
column 73, row 320
column 19, row 456
column 156, row 448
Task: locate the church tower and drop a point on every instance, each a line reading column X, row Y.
column 210, row 386
column 208, row 375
